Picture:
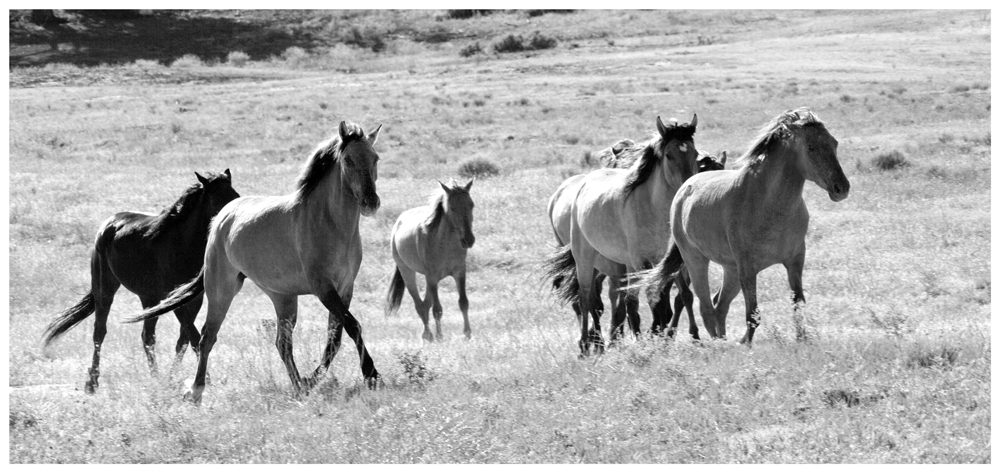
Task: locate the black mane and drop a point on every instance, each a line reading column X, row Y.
column 323, row 159
column 654, row 152
column 184, row 207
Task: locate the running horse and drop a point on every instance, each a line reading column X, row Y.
column 433, row 240
column 619, row 215
column 149, row 254
column 306, row 242
column 749, row 219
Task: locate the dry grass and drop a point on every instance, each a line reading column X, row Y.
column 897, row 278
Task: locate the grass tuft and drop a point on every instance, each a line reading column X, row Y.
column 889, row 161
column 478, row 168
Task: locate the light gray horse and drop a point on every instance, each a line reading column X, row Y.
column 306, row 242
column 749, row 219
column 433, row 240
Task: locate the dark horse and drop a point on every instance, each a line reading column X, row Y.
column 149, row 254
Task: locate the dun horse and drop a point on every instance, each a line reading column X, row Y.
column 433, row 240
column 749, row 219
column 149, row 254
column 306, row 242
column 620, row 214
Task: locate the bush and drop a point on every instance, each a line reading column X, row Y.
column 466, row 14
column 237, row 58
column 187, row 60
column 478, row 167
column 369, row 38
column 295, row 56
column 889, row 161
column 514, row 44
column 471, row 50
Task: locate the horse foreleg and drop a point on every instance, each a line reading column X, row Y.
column 435, row 301
column 748, row 284
column 463, row 303
column 334, row 333
column 189, row 334
column 330, row 298
column 794, row 270
column 286, row 309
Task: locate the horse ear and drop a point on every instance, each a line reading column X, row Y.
column 201, row 179
column 228, row 174
column 373, row 136
column 722, row 159
column 469, row 185
column 445, row 187
column 660, row 127
column 343, row 131
column 694, row 121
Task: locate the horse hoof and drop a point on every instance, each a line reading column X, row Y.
column 429, row 337
column 374, row 382
column 90, row 387
column 468, row 334
column 192, row 397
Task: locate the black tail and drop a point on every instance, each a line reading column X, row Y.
column 69, row 318
column 560, row 267
column 655, row 279
column 395, row 295
column 178, row 297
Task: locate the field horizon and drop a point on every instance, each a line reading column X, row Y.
column 897, row 276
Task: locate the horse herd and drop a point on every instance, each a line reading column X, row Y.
column 610, row 223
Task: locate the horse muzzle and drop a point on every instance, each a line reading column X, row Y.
column 839, row 189
column 467, row 242
column 370, row 205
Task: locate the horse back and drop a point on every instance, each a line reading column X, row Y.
column 147, row 264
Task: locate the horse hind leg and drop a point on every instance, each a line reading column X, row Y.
column 222, row 283
column 104, row 285
column 149, row 335
column 188, row 333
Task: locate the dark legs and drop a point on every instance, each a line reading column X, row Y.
column 189, row 334
column 463, row 303
column 748, row 283
column 432, row 298
column 286, row 309
column 104, row 285
column 149, row 334
column 331, row 300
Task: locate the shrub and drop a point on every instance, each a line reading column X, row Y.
column 514, row 44
column 888, row 161
column 295, row 56
column 466, row 14
column 369, row 38
column 960, row 88
column 478, row 168
column 187, row 60
column 471, row 50
column 534, row 13
column 846, row 98
column 237, row 58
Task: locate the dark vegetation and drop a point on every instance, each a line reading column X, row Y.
column 517, row 43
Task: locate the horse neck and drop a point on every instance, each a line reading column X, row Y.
column 776, row 180
column 331, row 200
column 190, row 229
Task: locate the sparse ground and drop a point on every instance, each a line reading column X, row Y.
column 897, row 276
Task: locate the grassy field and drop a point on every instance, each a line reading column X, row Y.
column 897, row 276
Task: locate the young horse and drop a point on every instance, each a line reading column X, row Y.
column 617, row 213
column 433, row 240
column 149, row 254
column 306, row 242
column 752, row 218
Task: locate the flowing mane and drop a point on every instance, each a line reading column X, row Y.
column 776, row 131
column 184, row 206
column 436, row 203
column 653, row 153
column 322, row 161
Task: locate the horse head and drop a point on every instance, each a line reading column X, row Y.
column 816, row 151
column 359, row 165
column 677, row 147
column 458, row 207
column 217, row 190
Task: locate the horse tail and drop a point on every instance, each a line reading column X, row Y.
column 660, row 276
column 560, row 267
column 178, row 297
column 69, row 318
column 395, row 295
